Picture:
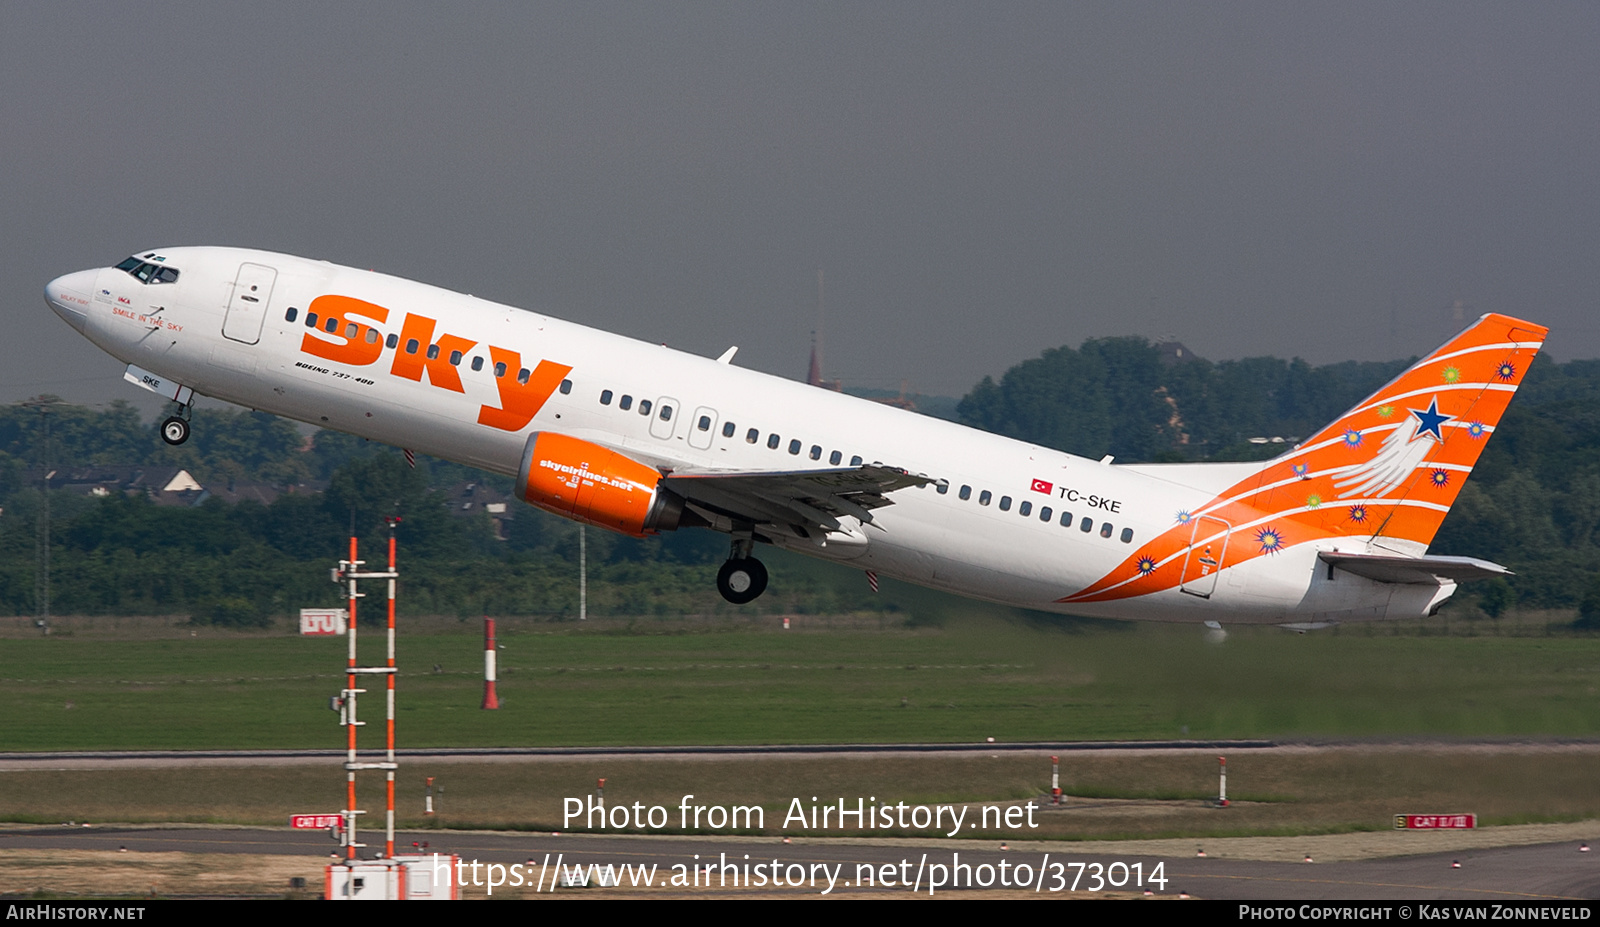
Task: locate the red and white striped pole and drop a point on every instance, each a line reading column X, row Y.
column 350, row 709
column 1222, row 795
column 1055, row 780
column 490, row 699
column 388, row 840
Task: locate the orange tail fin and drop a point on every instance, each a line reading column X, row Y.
column 1388, row 469
column 1392, row 466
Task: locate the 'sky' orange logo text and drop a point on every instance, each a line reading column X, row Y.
column 346, row 334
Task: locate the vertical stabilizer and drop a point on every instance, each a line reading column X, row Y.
column 1384, row 473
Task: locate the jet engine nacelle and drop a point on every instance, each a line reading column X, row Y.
column 581, row 480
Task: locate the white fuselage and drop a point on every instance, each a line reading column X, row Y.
column 931, row 535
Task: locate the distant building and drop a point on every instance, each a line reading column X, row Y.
column 814, row 372
column 468, row 499
column 1174, row 352
column 161, row 485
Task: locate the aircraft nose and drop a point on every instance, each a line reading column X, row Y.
column 69, row 296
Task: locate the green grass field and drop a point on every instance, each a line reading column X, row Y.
column 1110, row 795
column 126, row 683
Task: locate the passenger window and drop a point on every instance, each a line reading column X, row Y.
column 500, row 371
column 704, row 424
column 625, row 403
column 1127, row 535
column 644, row 406
column 728, row 428
column 772, row 441
column 1087, row 525
column 752, row 436
column 965, row 493
column 943, row 486
column 351, row 330
column 1105, row 530
column 834, row 458
column 1044, row 513
column 331, row 325
column 455, row 358
column 311, row 320
column 816, row 452
column 477, row 363
column 605, row 397
column 372, row 336
column 566, row 387
column 523, row 375
column 1066, row 519
column 984, row 497
column 393, row 340
column 666, row 414
column 794, row 445
column 1005, row 503
column 1026, row 508
column 289, row 316
column 412, row 345
column 855, row 461
column 433, row 352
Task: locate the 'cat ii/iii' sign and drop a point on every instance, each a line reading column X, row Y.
column 1434, row 821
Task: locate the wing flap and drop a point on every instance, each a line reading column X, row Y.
column 812, row 498
column 1396, row 569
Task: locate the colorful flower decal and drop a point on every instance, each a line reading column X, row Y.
column 1147, row 565
column 1476, row 429
column 1313, row 500
column 1270, row 540
column 1352, row 438
column 1184, row 516
column 1439, row 478
column 1506, row 372
column 1302, row 470
column 1452, row 375
column 1358, row 514
column 1385, row 411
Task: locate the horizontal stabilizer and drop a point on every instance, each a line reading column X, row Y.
column 1388, row 568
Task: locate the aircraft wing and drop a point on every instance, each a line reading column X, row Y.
column 800, row 498
column 1396, row 569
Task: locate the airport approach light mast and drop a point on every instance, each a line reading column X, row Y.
column 349, row 572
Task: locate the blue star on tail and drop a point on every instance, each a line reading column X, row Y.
column 1430, row 421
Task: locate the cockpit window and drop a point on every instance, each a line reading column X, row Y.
column 146, row 272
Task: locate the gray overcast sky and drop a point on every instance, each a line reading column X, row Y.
column 979, row 181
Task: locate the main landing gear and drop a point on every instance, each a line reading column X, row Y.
column 175, row 430
column 743, row 578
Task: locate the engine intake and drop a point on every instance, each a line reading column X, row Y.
column 581, row 480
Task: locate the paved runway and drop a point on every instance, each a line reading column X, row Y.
column 1516, row 874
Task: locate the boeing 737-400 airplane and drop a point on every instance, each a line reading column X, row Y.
column 640, row 438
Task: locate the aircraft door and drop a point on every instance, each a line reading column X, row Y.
column 703, row 428
column 247, row 308
column 1208, row 548
column 665, row 419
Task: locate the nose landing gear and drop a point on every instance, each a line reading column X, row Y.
column 175, row 430
column 742, row 578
